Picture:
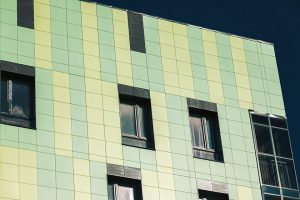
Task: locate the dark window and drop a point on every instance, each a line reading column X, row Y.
column 136, row 32
column 136, row 117
column 209, row 195
column 268, row 170
column 120, row 188
column 278, row 122
column 205, row 134
column 275, row 156
column 25, row 13
column 260, row 119
column 263, row 139
column 17, row 97
column 287, row 173
column 271, row 197
column 281, row 142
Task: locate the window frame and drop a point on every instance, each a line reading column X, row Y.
column 206, row 109
column 28, row 72
column 267, row 188
column 124, row 176
column 141, row 98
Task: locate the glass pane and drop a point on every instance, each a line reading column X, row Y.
column 142, row 118
column 196, row 131
column 281, row 142
column 208, row 123
column 260, row 119
column 272, row 197
column 128, row 125
column 123, row 193
column 287, row 173
column 278, row 122
column 110, row 191
column 268, row 170
column 263, row 139
column 16, row 96
column 208, row 195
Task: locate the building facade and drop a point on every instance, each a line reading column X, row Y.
column 101, row 103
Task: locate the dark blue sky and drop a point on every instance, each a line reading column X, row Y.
column 276, row 21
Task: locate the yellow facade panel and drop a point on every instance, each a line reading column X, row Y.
column 9, row 155
column 164, row 25
column 62, row 125
column 62, row 110
column 122, row 41
column 236, row 42
column 166, row 38
column 169, row 65
column 28, row 192
column 208, row 35
column 216, row 92
column 123, row 55
column 120, row 15
column 81, row 167
column 9, row 190
column 121, row 28
column 180, row 29
column 182, row 55
column 94, row 115
column 60, row 79
column 212, row 61
column 88, row 8
column 28, row 175
column 82, row 183
column 210, row 48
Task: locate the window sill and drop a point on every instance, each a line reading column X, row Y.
column 137, row 142
column 207, row 154
column 14, row 121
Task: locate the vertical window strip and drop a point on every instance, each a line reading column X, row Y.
column 25, row 14
column 136, row 32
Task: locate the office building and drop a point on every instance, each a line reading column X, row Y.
column 100, row 103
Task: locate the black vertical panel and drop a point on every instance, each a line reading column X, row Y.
column 136, row 32
column 25, row 13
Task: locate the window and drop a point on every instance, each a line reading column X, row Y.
column 209, row 195
column 276, row 164
column 25, row 13
column 120, row 188
column 17, row 95
column 205, row 132
column 136, row 117
column 136, row 32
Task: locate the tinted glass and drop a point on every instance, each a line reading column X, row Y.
column 208, row 195
column 287, row 173
column 136, row 32
column 196, row 130
column 128, row 124
column 268, row 170
column 17, row 96
column 263, row 139
column 281, row 142
column 203, row 130
column 278, row 122
column 260, row 119
column 272, row 197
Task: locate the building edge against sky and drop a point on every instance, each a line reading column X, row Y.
column 97, row 101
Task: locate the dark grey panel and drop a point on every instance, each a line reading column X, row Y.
column 25, row 13
column 212, row 186
column 122, row 171
column 136, row 32
column 204, row 105
column 133, row 91
column 17, row 68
